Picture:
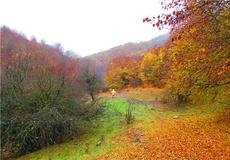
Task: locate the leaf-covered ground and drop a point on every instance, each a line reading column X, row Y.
column 187, row 138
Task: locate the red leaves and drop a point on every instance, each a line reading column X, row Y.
column 20, row 52
column 167, row 17
column 147, row 19
column 157, row 24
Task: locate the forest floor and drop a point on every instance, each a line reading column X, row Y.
column 157, row 132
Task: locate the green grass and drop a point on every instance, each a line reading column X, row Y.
column 109, row 124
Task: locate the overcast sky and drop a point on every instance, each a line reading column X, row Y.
column 83, row 26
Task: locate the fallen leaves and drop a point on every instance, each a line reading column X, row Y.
column 177, row 139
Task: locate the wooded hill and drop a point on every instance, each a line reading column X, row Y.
column 101, row 60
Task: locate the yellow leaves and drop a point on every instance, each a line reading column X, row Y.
column 202, row 49
column 177, row 139
column 192, row 30
column 121, row 72
column 152, row 67
column 220, row 73
column 148, row 58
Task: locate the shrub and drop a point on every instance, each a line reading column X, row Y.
column 129, row 117
column 175, row 96
column 31, row 131
column 27, row 132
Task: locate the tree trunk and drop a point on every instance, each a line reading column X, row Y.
column 92, row 96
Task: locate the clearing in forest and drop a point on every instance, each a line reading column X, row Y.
column 156, row 132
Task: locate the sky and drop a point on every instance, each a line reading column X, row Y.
column 82, row 26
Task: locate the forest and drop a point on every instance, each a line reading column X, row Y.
column 171, row 102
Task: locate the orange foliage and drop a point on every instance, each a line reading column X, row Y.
column 176, row 139
column 122, row 72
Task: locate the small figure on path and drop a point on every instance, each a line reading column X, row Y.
column 113, row 92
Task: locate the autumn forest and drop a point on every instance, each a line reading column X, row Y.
column 171, row 98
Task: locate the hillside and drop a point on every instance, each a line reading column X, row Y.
column 130, row 49
column 101, row 59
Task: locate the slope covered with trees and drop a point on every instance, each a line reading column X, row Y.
column 199, row 53
column 195, row 62
column 42, row 92
column 100, row 61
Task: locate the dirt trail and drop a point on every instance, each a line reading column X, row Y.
column 125, row 95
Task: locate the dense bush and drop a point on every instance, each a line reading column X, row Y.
column 24, row 132
column 176, row 97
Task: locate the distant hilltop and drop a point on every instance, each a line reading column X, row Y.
column 99, row 61
column 131, row 49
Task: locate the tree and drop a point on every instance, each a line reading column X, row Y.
column 91, row 82
column 153, row 68
column 199, row 48
column 123, row 72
